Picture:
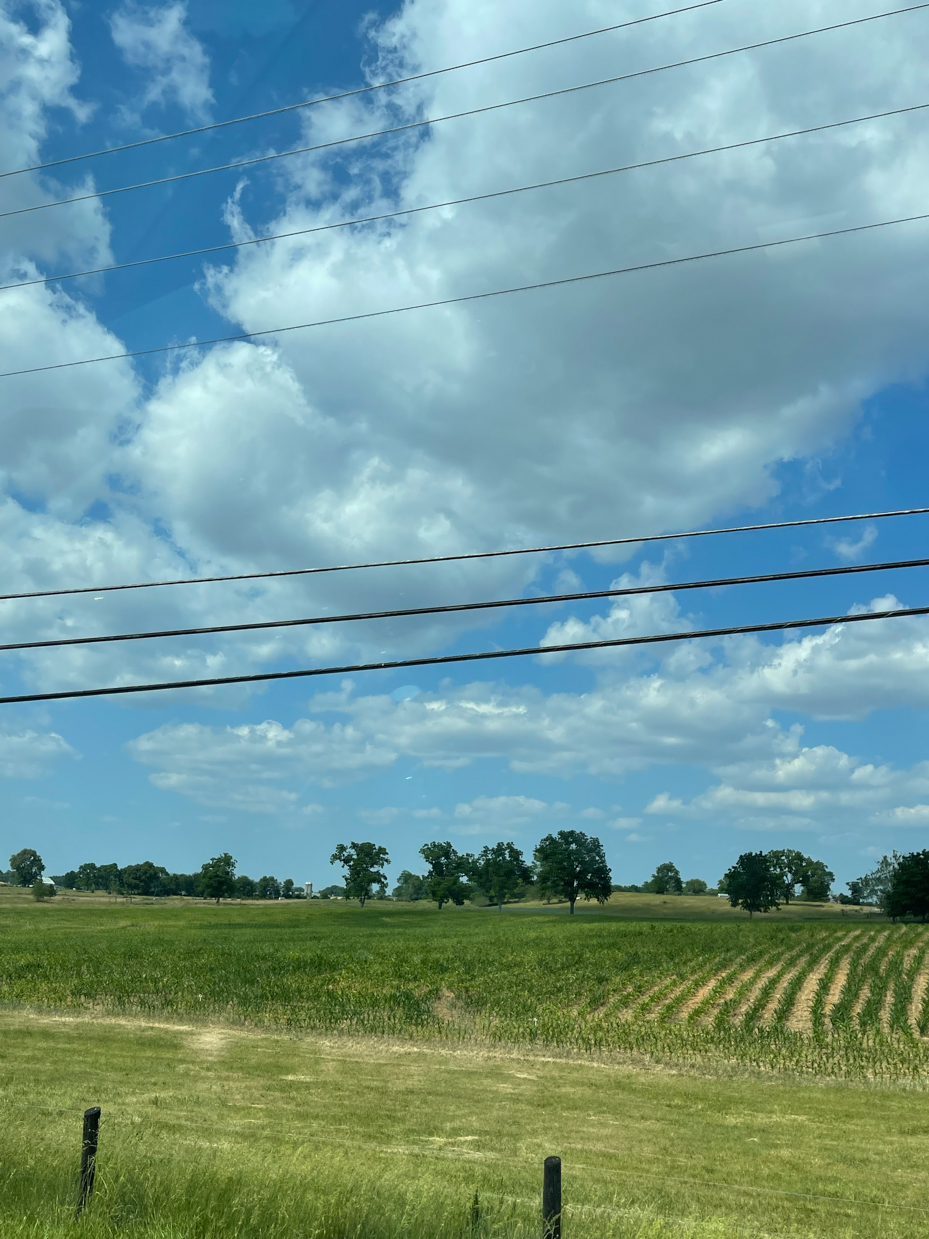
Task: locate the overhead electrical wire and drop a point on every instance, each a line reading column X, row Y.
column 466, row 297
column 435, row 120
column 481, row 656
column 499, row 193
column 455, row 608
column 361, row 90
column 467, row 555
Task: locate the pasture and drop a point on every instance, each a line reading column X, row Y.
column 300, row 1069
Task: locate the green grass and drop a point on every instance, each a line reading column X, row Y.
column 313, row 1071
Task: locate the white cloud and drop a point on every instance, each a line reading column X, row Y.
column 378, row 817
column 30, row 755
column 849, row 549
column 156, row 40
column 716, row 717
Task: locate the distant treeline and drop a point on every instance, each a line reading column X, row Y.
column 216, row 879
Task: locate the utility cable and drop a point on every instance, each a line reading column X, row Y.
column 455, row 608
column 361, row 90
column 482, row 656
column 497, row 292
column 435, row 120
column 467, row 555
column 499, row 193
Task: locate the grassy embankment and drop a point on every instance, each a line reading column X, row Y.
column 291, row 1070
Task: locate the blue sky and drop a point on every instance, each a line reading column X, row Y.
column 774, row 386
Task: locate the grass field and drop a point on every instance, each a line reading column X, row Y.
column 322, row 1070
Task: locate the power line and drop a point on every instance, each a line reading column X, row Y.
column 435, row 120
column 467, row 555
column 361, row 90
column 497, row 292
column 454, row 608
column 499, row 193
column 482, row 656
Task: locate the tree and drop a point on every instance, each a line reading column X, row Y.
column 268, row 888
column 287, row 889
column 364, row 868
column 909, row 888
column 245, row 887
column 67, row 881
column 666, row 880
column 410, row 887
column 499, row 872
column 217, row 877
column 572, row 864
column 874, row 887
column 43, row 890
column 445, row 881
column 332, row 892
column 789, row 866
column 817, row 882
column 695, row 886
column 752, row 884
column 144, row 879
column 27, row 865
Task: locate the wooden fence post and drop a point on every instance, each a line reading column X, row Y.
column 88, row 1156
column 551, row 1199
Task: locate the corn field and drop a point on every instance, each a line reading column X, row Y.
column 833, row 999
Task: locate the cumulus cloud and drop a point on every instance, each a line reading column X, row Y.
column 716, row 717
column 156, row 40
column 30, row 755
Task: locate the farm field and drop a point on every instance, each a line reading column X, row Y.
column 322, row 1070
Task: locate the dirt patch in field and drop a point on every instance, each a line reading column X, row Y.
column 800, row 1018
column 774, row 1001
column 841, row 975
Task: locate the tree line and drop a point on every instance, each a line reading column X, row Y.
column 216, row 879
column 568, row 865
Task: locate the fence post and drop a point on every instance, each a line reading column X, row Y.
column 551, row 1199
column 88, row 1156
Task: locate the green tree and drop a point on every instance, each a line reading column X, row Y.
column 217, row 877
column 28, row 866
column 752, row 884
column 695, row 886
column 666, row 880
column 287, row 889
column 448, row 870
column 268, row 888
column 66, row 881
column 789, row 866
column 571, row 865
column 332, row 892
column 364, row 869
column 43, row 890
column 245, row 887
column 499, row 872
column 874, row 887
column 144, row 879
column 410, row 887
column 816, row 882
column 909, row 888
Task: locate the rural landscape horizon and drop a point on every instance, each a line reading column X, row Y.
column 464, row 676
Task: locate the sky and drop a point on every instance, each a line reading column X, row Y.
column 781, row 384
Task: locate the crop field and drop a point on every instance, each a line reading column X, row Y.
column 839, row 998
column 306, row 1071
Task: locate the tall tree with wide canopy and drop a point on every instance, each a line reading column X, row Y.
column 217, row 877
column 364, row 869
column 28, row 866
column 753, row 884
column 499, row 872
column 570, row 865
column 445, row 880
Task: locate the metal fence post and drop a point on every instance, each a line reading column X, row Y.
column 551, row 1199
column 88, row 1156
